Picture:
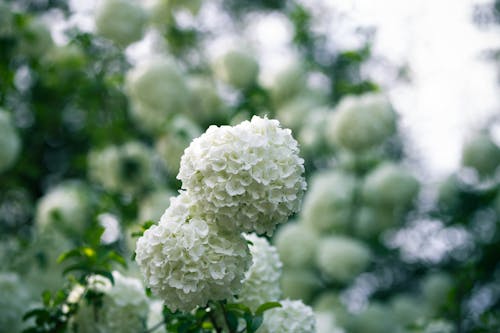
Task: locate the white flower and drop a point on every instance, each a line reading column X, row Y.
column 439, row 326
column 341, row 258
column 262, row 281
column 291, row 317
column 152, row 207
column 361, row 122
column 177, row 138
column 237, row 69
column 187, row 261
column 375, row 318
column 156, row 316
column 13, row 302
column 127, row 168
column 247, row 177
column 160, row 11
column 328, row 204
column 122, row 21
column 407, row 309
column 157, row 92
column 371, row 221
column 125, row 306
column 295, row 113
column 296, row 244
column 65, row 207
column 311, row 135
column 481, row 154
column 390, row 185
column 299, row 283
column 10, row 143
column 288, row 83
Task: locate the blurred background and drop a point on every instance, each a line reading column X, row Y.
column 395, row 105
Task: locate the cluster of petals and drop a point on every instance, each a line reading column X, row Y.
column 291, row 317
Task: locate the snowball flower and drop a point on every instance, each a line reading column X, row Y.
column 291, row 317
column 206, row 104
column 237, row 69
column 325, row 323
column 157, row 92
column 329, row 202
column 296, row 244
column 341, row 258
column 311, row 135
column 171, row 145
column 481, row 154
column 390, row 185
column 187, row 261
column 262, row 281
column 371, row 221
column 295, row 113
column 13, row 302
column 288, row 83
column 10, row 143
column 246, row 177
column 361, row 122
column 127, row 168
column 64, row 208
column 299, row 283
column 122, row 21
column 152, row 207
column 124, row 309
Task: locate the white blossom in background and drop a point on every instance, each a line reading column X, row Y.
column 125, row 306
column 296, row 244
column 157, row 91
column 161, row 11
column 155, row 316
column 375, row 318
column 287, row 84
column 342, row 258
column 291, row 317
column 262, row 280
column 127, row 168
column 152, row 207
column 325, row 323
column 6, row 20
column 65, row 208
column 237, row 69
column 10, row 143
column 187, row 261
column 371, row 221
column 295, row 113
column 122, row 21
column 361, row 122
column 299, row 283
column 205, row 105
column 328, row 205
column 408, row 309
column 246, row 177
column 311, row 136
column 37, row 39
column 171, row 145
column 390, row 185
column 481, row 154
column 14, row 302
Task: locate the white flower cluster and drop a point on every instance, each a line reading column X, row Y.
column 13, row 302
column 361, row 122
column 10, row 143
column 246, row 177
column 296, row 244
column 187, row 261
column 237, row 69
column 329, row 202
column 127, row 168
column 157, row 91
column 125, row 306
column 262, row 281
column 64, row 208
column 122, row 21
column 291, row 317
column 341, row 258
column 481, row 154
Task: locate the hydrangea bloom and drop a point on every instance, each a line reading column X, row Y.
column 246, row 177
column 325, row 323
column 361, row 122
column 288, row 83
column 206, row 104
column 329, row 202
column 125, row 306
column 295, row 113
column 370, row 221
column 237, row 69
column 157, row 91
column 64, row 208
column 299, row 283
column 341, row 258
column 122, row 21
column 13, row 302
column 390, row 185
column 171, row 145
column 262, row 281
column 10, row 143
column 481, row 154
column 311, row 135
column 187, row 261
column 127, row 168
column 296, row 244
column 291, row 317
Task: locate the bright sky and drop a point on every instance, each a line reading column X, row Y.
column 452, row 92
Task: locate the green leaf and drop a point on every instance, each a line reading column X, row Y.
column 36, row 313
column 46, row 297
column 70, row 254
column 232, row 321
column 256, row 322
column 267, row 306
